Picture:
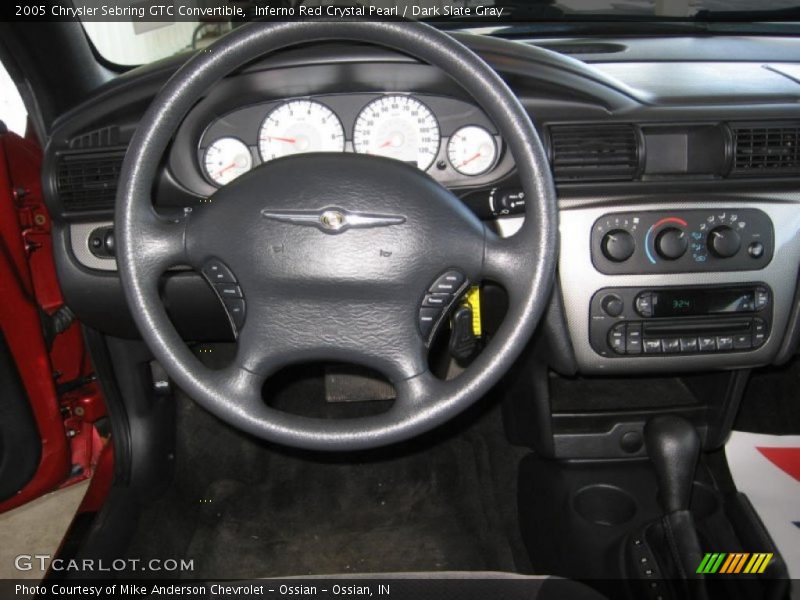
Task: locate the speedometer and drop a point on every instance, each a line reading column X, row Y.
column 399, row 127
column 300, row 126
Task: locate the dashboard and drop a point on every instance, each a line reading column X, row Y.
column 679, row 205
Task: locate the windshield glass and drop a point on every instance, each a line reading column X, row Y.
column 140, row 32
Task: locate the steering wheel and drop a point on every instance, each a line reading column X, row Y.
column 335, row 256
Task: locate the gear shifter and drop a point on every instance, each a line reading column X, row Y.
column 674, row 447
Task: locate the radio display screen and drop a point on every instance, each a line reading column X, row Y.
column 674, row 303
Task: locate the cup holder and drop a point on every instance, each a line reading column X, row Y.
column 704, row 501
column 604, row 504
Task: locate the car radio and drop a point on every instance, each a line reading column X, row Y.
column 680, row 320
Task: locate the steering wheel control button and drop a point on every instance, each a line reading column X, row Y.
column 228, row 290
column 437, row 300
column 236, row 309
column 448, row 283
column 428, row 317
column 216, row 272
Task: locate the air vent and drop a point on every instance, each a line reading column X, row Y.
column 99, row 138
column 766, row 150
column 87, row 181
column 594, row 152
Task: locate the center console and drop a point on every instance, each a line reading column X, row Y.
column 686, row 286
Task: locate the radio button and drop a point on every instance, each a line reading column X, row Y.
column 616, row 338
column 644, row 305
column 634, row 340
column 652, row 346
column 759, row 339
column 671, row 346
column 688, row 344
column 724, row 342
column 762, row 298
column 742, row 341
column 707, row 344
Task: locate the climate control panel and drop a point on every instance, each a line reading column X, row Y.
column 682, row 241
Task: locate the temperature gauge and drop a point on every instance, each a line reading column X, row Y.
column 472, row 150
column 226, row 159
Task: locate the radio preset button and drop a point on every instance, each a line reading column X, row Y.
column 652, row 346
column 707, row 344
column 689, row 344
column 671, row 346
column 742, row 341
column 724, row 342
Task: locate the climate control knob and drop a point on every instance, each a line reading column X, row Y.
column 618, row 245
column 724, row 242
column 671, row 243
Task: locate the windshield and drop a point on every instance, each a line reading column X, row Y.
column 130, row 34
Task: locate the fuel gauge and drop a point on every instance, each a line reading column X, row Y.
column 472, row 150
column 226, row 159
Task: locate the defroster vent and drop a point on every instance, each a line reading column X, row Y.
column 87, row 181
column 766, row 150
column 594, row 151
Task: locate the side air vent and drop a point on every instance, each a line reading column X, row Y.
column 87, row 181
column 765, row 150
column 99, row 138
column 594, row 152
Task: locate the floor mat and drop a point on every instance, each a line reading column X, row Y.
column 415, row 513
column 765, row 467
column 242, row 508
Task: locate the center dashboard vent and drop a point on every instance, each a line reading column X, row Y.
column 595, row 152
column 87, row 181
column 765, row 150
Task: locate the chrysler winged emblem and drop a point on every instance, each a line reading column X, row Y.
column 332, row 220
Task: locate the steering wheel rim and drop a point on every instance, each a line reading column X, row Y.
column 524, row 264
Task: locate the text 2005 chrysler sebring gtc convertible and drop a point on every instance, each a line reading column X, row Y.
column 488, row 299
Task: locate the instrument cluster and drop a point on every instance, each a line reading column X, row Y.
column 450, row 139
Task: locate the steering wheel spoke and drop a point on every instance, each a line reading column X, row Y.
column 505, row 262
column 158, row 243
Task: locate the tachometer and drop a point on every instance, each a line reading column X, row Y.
column 472, row 150
column 399, row 127
column 226, row 159
column 300, row 126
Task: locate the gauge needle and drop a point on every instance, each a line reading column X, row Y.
column 223, row 169
column 385, row 144
column 283, row 139
column 470, row 159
